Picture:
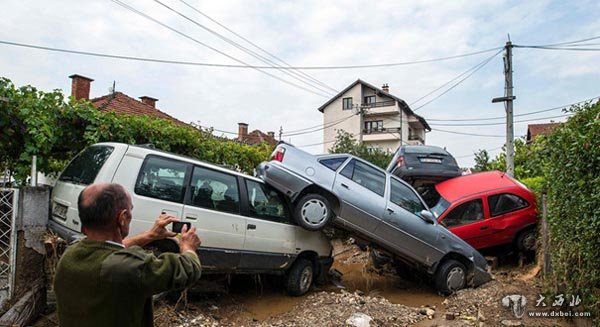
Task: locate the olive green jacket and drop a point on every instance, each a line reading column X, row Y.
column 103, row 284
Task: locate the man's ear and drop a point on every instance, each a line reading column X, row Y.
column 122, row 219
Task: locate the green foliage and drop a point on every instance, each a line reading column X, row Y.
column 571, row 169
column 346, row 143
column 482, row 161
column 44, row 124
column 536, row 184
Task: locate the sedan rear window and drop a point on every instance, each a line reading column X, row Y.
column 85, row 166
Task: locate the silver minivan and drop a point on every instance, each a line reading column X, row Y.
column 377, row 207
column 245, row 225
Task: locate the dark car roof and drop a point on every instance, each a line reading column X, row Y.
column 423, row 149
column 459, row 187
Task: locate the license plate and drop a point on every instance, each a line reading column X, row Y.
column 60, row 210
column 431, row 160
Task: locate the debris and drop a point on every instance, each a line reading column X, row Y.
column 449, row 315
column 511, row 323
column 359, row 320
column 430, row 313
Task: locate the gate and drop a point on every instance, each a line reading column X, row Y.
column 8, row 213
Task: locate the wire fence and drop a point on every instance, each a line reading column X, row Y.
column 8, row 211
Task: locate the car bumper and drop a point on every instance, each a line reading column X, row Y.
column 480, row 276
column 63, row 232
column 426, row 174
column 282, row 179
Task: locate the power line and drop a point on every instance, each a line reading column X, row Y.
column 126, row 6
column 571, row 42
column 473, row 154
column 256, row 46
column 321, row 128
column 519, row 115
column 315, row 126
column 477, row 68
column 467, row 134
column 292, row 74
column 556, row 48
column 502, row 123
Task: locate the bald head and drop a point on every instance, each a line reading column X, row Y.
column 99, row 205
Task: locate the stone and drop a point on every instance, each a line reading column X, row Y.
column 507, row 322
column 449, row 316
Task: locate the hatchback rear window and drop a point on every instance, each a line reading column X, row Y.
column 84, row 168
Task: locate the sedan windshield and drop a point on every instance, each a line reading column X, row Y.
column 440, row 207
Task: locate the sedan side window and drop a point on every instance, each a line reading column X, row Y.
column 404, row 197
column 215, row 190
column 162, row 178
column 365, row 175
column 333, row 163
column 265, row 203
column 466, row 213
column 504, row 203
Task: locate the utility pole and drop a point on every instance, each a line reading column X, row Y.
column 508, row 104
column 280, row 132
column 360, row 111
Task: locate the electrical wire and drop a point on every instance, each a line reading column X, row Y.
column 466, row 134
column 556, row 48
column 473, row 154
column 503, row 123
column 474, row 70
column 290, row 73
column 126, row 6
column 320, row 128
column 256, row 46
column 315, row 126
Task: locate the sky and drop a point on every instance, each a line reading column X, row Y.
column 313, row 33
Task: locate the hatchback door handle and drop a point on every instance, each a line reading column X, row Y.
column 390, row 210
column 345, row 186
column 251, row 226
column 483, row 227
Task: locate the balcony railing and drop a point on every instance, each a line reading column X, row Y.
column 381, row 130
column 380, row 104
column 415, row 138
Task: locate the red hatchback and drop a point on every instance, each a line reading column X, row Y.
column 488, row 209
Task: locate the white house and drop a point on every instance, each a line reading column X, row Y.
column 386, row 120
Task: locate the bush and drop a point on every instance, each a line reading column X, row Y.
column 346, row 143
column 44, row 124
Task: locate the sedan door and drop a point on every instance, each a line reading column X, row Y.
column 403, row 230
column 361, row 189
column 213, row 206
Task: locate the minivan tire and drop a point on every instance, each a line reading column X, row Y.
column 299, row 277
column 312, row 212
column 450, row 277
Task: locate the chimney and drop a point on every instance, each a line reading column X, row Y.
column 271, row 134
column 149, row 101
column 242, row 131
column 385, row 88
column 80, row 86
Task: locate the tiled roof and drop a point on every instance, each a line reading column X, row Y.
column 257, row 137
column 534, row 130
column 124, row 104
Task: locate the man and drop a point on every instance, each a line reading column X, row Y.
column 107, row 279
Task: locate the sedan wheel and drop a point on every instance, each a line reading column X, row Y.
column 312, row 212
column 450, row 277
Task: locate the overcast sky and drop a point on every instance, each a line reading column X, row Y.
column 312, row 33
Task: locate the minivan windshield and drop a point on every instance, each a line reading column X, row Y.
column 86, row 165
column 439, row 208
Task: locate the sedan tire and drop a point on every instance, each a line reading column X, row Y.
column 451, row 276
column 312, row 212
column 300, row 277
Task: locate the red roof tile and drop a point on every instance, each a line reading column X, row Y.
column 124, row 104
column 257, row 137
column 534, row 130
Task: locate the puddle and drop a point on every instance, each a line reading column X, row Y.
column 268, row 305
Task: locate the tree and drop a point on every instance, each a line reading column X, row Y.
column 346, row 143
column 482, row 161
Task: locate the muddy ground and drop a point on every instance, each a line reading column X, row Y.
column 364, row 294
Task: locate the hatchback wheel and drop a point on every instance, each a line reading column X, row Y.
column 450, row 277
column 300, row 277
column 527, row 241
column 312, row 212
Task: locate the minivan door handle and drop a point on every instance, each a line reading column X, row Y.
column 251, row 226
column 345, row 186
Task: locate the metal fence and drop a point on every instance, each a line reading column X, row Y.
column 8, row 212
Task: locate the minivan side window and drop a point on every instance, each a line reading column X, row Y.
column 84, row 168
column 162, row 178
column 504, row 203
column 365, row 175
column 214, row 190
column 466, row 213
column 265, row 203
column 404, row 197
column 333, row 163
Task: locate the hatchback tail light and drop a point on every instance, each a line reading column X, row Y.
column 400, row 162
column 278, row 154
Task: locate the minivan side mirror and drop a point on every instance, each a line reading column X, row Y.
column 427, row 216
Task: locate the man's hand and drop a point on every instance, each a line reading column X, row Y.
column 159, row 229
column 189, row 239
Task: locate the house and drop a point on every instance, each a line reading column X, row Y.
column 255, row 137
column 386, row 121
column 117, row 101
column 533, row 130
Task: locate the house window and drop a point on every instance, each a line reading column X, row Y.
column 347, row 103
column 370, row 99
column 374, row 126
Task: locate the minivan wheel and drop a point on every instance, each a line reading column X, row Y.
column 312, row 212
column 450, row 277
column 300, row 277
